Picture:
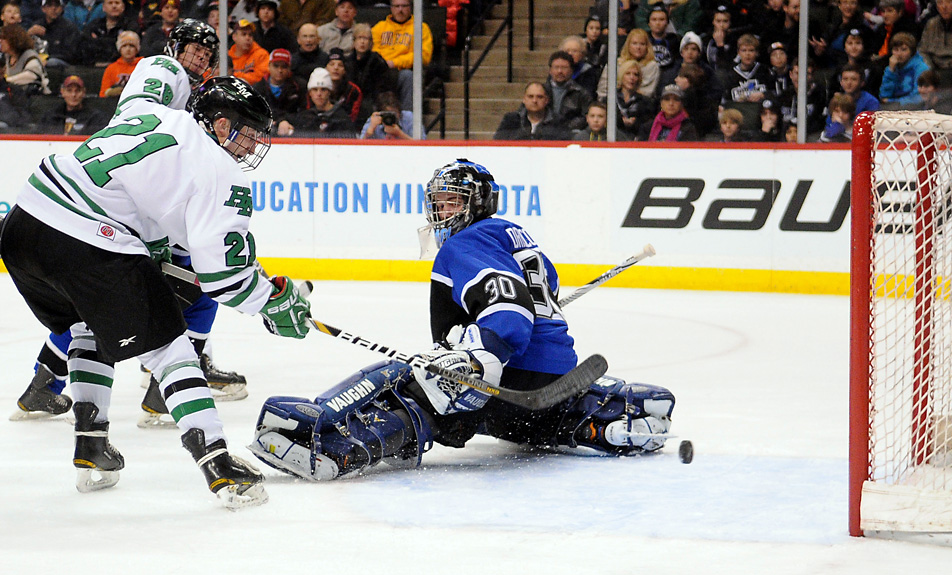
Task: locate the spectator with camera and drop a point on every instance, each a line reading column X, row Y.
column 99, row 39
column 322, row 118
column 61, row 35
column 72, row 116
column 269, row 33
column 389, row 122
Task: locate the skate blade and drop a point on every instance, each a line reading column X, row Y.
column 20, row 415
column 228, row 391
column 236, row 497
column 326, row 468
column 86, row 482
column 149, row 420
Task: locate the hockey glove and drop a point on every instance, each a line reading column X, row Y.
column 286, row 312
column 160, row 251
column 469, row 357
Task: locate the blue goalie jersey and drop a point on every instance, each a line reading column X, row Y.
column 493, row 273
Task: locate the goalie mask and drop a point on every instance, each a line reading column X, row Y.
column 196, row 61
column 458, row 195
column 249, row 138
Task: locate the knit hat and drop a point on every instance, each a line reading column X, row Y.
column 691, row 38
column 320, row 78
column 128, row 37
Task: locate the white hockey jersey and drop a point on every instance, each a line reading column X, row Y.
column 154, row 173
column 160, row 79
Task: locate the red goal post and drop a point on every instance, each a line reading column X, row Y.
column 900, row 452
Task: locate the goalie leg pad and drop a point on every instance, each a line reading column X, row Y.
column 355, row 424
column 618, row 417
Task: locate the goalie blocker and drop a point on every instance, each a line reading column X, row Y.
column 381, row 414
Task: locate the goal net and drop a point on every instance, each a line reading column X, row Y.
column 901, row 324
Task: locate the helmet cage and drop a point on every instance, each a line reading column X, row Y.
column 250, row 115
column 247, row 145
column 191, row 31
column 458, row 195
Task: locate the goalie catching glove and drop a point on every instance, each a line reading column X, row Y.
column 468, row 354
column 286, row 312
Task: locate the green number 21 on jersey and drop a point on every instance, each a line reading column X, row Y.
column 140, row 142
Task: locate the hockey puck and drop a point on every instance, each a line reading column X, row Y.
column 686, row 452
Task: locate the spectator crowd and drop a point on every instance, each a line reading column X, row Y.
column 727, row 71
column 324, row 73
column 687, row 70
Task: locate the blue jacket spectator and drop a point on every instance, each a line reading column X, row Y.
column 77, row 12
column 901, row 76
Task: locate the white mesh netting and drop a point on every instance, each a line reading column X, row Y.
column 910, row 397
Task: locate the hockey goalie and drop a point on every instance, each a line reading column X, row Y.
column 494, row 315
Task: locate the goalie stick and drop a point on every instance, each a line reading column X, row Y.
column 564, row 387
column 646, row 252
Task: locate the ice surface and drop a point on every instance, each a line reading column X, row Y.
column 761, row 385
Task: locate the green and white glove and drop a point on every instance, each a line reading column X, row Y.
column 160, row 251
column 286, row 312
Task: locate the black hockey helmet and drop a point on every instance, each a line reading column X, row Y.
column 249, row 113
column 461, row 183
column 192, row 31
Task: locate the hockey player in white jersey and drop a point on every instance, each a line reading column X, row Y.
column 194, row 45
column 78, row 246
column 494, row 314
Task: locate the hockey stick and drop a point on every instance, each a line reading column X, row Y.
column 304, row 288
column 647, row 252
column 564, row 387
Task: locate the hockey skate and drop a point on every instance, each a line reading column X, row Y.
column 225, row 385
column 154, row 412
column 96, row 461
column 39, row 401
column 235, row 482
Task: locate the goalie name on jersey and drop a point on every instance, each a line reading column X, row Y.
column 349, row 396
column 520, row 238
